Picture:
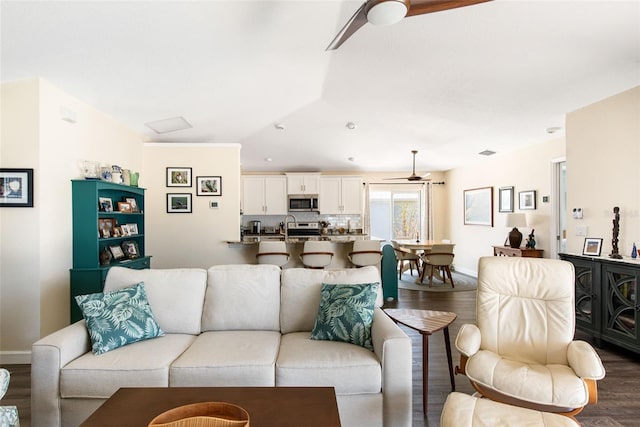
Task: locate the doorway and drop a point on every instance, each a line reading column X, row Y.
column 396, row 213
column 559, row 230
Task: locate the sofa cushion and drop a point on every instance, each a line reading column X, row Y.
column 170, row 291
column 301, row 293
column 228, row 358
column 349, row 368
column 118, row 318
column 142, row 364
column 346, row 313
column 242, row 297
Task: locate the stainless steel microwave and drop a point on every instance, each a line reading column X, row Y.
column 303, row 203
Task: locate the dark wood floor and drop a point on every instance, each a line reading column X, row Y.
column 618, row 391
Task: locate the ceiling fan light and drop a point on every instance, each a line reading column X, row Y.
column 387, row 12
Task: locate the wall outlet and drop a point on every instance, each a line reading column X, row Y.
column 581, row 230
column 213, row 205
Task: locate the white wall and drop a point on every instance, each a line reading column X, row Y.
column 37, row 242
column 525, row 169
column 603, row 170
column 196, row 239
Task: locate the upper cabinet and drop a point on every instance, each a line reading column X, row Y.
column 264, row 195
column 340, row 195
column 303, row 183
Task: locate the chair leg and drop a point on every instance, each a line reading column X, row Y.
column 431, row 276
column 448, row 270
column 400, row 265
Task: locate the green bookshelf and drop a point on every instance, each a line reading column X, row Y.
column 88, row 274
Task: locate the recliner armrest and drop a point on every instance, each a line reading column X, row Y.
column 468, row 339
column 584, row 360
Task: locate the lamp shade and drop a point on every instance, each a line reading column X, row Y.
column 516, row 220
column 387, row 12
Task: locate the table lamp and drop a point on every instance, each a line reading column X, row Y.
column 515, row 220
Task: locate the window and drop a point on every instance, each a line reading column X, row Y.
column 396, row 213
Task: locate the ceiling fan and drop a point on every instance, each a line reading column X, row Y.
column 413, row 177
column 386, row 12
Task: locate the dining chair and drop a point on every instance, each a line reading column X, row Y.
column 272, row 253
column 439, row 258
column 405, row 255
column 316, row 254
column 365, row 252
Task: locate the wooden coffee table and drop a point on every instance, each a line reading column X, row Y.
column 427, row 322
column 267, row 406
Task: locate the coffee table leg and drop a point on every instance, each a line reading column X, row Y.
column 447, row 344
column 425, row 371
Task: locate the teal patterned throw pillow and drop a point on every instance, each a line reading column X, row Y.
column 346, row 313
column 118, row 318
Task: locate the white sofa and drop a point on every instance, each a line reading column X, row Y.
column 231, row 325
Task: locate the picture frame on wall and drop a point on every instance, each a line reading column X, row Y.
column 505, row 199
column 478, row 206
column 527, row 200
column 209, row 185
column 16, row 188
column 592, row 246
column 178, row 202
column 179, row 177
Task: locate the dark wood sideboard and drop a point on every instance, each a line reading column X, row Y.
column 606, row 297
column 518, row 252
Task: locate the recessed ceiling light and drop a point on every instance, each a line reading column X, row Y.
column 278, row 126
column 169, row 125
column 268, row 159
column 351, row 125
column 487, row 153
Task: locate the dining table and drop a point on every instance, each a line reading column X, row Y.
column 417, row 246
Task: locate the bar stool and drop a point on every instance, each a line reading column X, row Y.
column 316, row 254
column 272, row 253
column 365, row 252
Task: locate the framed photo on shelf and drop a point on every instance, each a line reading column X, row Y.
column 178, row 202
column 478, row 206
column 116, row 252
column 16, row 188
column 178, row 177
column 592, row 246
column 134, row 204
column 105, row 204
column 130, row 249
column 132, row 229
column 106, row 227
column 527, row 200
column 505, row 199
column 124, row 230
column 209, row 185
column 124, row 207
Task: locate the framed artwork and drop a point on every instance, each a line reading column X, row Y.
column 592, row 246
column 505, row 199
column 106, row 227
column 478, row 206
column 132, row 229
column 105, row 204
column 124, row 207
column 130, row 249
column 209, row 185
column 124, row 230
column 178, row 203
column 116, row 252
column 527, row 200
column 134, row 204
column 178, row 177
column 16, row 188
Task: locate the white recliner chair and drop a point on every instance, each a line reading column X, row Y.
column 521, row 352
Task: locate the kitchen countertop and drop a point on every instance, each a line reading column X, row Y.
column 336, row 238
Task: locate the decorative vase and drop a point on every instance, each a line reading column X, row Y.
column 634, row 251
column 133, row 178
column 126, row 176
column 515, row 238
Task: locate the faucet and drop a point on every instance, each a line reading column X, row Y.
column 286, row 225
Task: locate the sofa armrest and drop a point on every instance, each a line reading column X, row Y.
column 393, row 348
column 468, row 340
column 584, row 361
column 48, row 356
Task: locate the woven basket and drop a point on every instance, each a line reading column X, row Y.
column 205, row 414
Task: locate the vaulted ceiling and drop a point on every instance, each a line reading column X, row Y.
column 450, row 84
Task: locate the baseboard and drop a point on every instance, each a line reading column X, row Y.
column 15, row 358
column 466, row 271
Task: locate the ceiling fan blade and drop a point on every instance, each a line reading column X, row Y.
column 420, row 7
column 354, row 24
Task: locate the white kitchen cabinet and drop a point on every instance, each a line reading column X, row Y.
column 340, row 195
column 303, row 183
column 264, row 195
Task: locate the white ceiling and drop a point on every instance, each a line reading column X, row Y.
column 449, row 84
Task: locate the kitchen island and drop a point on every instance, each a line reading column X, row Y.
column 342, row 244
